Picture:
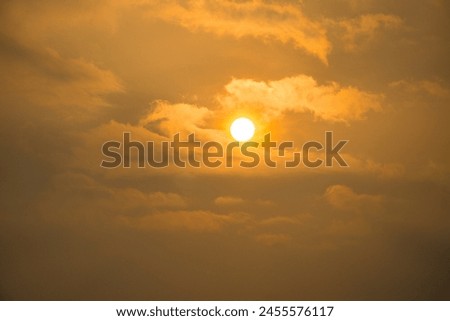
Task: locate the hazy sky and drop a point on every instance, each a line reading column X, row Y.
column 76, row 74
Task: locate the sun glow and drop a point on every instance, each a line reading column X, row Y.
column 242, row 129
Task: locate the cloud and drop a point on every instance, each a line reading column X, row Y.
column 284, row 22
column 71, row 87
column 355, row 33
column 382, row 170
column 233, row 201
column 228, row 200
column 260, row 19
column 429, row 87
column 301, row 93
column 86, row 195
column 284, row 220
column 344, row 198
column 185, row 220
column 168, row 119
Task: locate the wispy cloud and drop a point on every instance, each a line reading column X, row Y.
column 192, row 221
column 429, row 87
column 344, row 198
column 261, row 19
column 356, row 33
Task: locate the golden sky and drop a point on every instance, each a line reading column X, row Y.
column 77, row 74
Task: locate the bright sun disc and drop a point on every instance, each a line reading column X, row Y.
column 242, row 129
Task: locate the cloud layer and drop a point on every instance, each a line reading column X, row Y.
column 75, row 75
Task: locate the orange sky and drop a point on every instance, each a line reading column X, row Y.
column 75, row 75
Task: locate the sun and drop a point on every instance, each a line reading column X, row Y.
column 242, row 129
